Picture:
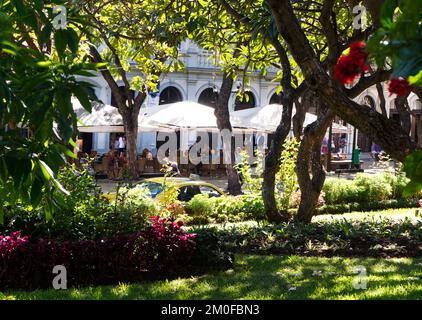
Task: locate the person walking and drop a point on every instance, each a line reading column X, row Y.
column 116, row 144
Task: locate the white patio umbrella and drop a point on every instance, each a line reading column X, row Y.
column 265, row 119
column 185, row 114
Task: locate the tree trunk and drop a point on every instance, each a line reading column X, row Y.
column 222, row 114
column 381, row 96
column 130, row 123
column 302, row 108
column 402, row 108
column 272, row 162
column 309, row 163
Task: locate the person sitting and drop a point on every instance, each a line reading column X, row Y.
column 375, row 152
column 112, row 165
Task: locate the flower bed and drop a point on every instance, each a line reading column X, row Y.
column 161, row 250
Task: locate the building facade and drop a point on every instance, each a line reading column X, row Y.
column 199, row 82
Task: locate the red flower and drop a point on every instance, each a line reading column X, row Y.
column 357, row 46
column 349, row 67
column 401, row 87
column 346, row 71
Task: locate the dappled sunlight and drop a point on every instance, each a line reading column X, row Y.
column 391, row 214
column 268, row 277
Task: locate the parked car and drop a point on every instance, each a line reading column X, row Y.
column 188, row 188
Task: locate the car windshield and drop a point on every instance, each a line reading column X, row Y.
column 153, row 187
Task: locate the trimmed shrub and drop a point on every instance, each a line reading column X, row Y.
column 364, row 188
column 202, row 209
column 161, row 250
column 367, row 206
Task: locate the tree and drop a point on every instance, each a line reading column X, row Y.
column 316, row 33
column 238, row 52
column 379, row 128
column 398, row 41
column 141, row 38
column 38, row 69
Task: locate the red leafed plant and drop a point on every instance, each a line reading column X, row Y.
column 350, row 66
column 161, row 250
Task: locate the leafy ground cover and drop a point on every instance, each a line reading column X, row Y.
column 374, row 234
column 268, row 277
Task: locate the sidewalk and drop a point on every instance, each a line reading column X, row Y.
column 369, row 165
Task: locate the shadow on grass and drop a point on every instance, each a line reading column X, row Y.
column 269, row 277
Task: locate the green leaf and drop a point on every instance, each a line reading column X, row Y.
column 417, row 79
column 83, row 98
column 412, row 188
column 46, row 170
column 45, row 34
column 20, row 7
column 60, row 41
column 387, row 12
column 36, row 192
column 72, row 40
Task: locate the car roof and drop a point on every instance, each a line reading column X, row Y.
column 175, row 180
column 178, row 181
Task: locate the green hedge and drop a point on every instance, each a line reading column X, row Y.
column 365, row 193
column 364, row 188
column 202, row 209
column 367, row 206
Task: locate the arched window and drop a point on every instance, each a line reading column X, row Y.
column 245, row 103
column 369, row 101
column 276, row 98
column 170, row 95
column 123, row 93
column 208, row 97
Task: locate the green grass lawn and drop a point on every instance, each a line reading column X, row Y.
column 391, row 214
column 269, row 277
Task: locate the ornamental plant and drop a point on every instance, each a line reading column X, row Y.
column 350, row 66
column 162, row 250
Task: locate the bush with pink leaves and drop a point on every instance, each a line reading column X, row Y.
column 162, row 250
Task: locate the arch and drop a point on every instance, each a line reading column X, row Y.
column 170, row 94
column 271, row 93
column 248, row 103
column 208, row 97
column 369, row 101
column 276, row 98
